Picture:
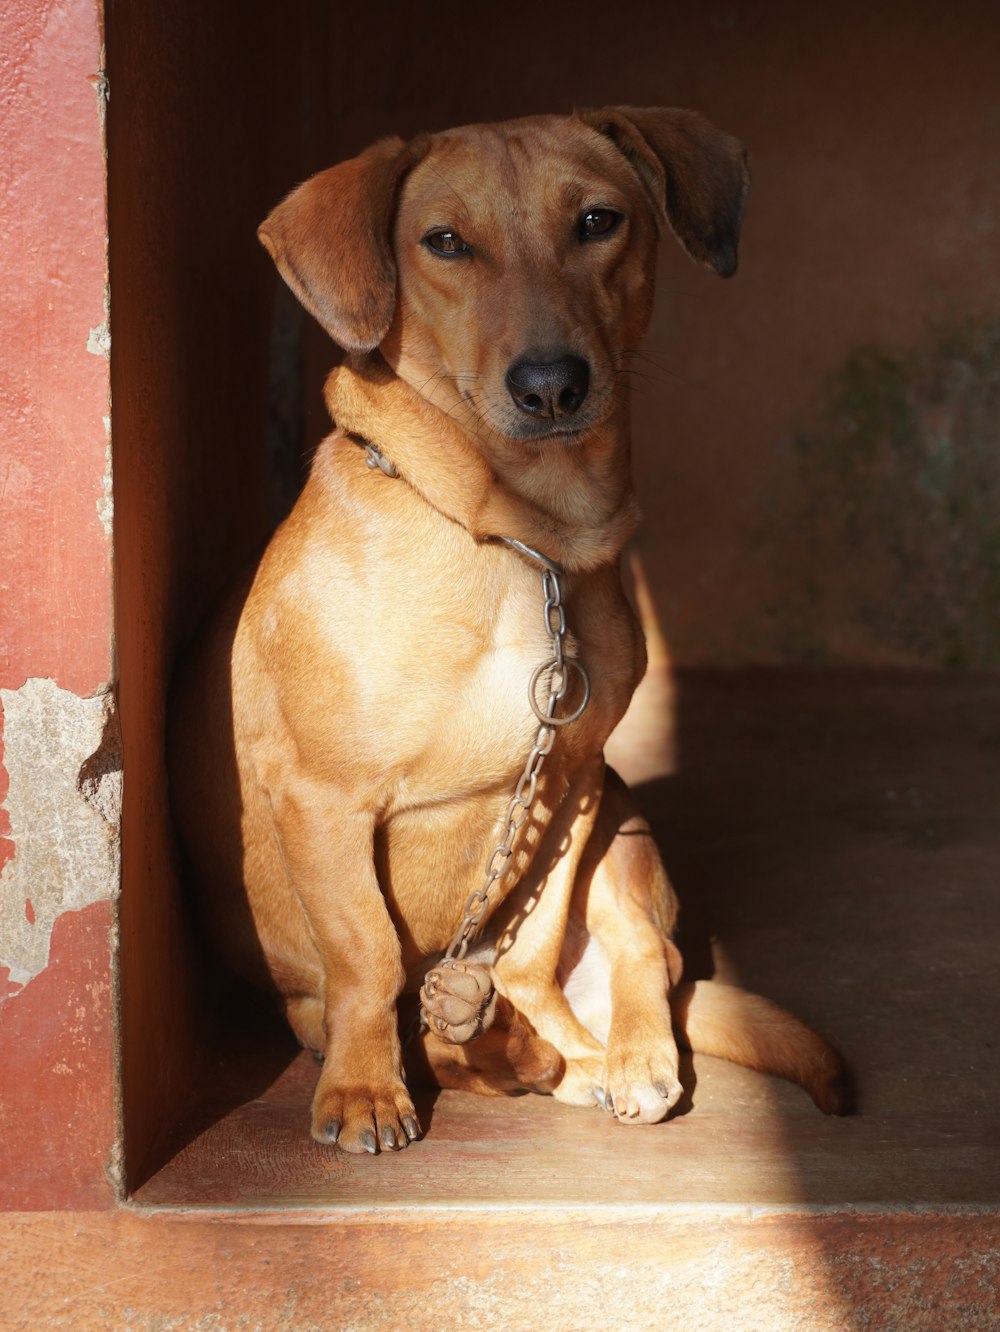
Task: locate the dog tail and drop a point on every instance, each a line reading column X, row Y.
column 716, row 1019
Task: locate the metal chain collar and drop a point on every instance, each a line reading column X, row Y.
column 374, row 457
column 499, row 861
column 560, row 665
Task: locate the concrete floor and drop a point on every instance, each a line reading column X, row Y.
column 835, row 840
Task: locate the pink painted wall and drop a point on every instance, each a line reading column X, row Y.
column 57, row 1084
column 54, row 475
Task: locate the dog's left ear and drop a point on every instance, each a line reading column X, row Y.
column 695, row 175
column 330, row 239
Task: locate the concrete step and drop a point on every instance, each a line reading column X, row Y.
column 835, row 841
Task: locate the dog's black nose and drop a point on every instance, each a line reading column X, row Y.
column 550, row 389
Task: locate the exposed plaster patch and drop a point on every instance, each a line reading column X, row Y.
column 105, row 502
column 114, row 1168
column 102, row 87
column 99, row 340
column 63, row 755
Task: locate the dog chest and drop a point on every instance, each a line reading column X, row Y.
column 422, row 643
column 475, row 680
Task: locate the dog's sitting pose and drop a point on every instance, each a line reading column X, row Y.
column 349, row 734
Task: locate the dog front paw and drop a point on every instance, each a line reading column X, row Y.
column 641, row 1086
column 363, row 1120
column 459, row 1001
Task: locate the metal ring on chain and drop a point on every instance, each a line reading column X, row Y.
column 536, row 675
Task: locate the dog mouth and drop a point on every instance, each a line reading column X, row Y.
column 539, row 435
column 568, row 436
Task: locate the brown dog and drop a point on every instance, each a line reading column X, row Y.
column 367, row 691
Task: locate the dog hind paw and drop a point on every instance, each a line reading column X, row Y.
column 582, row 1083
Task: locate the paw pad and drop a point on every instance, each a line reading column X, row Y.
column 459, row 1001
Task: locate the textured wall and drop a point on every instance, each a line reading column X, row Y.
column 61, row 776
column 872, row 239
column 209, row 108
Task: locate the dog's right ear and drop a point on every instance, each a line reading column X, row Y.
column 696, row 176
column 331, row 241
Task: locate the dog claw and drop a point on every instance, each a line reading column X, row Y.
column 601, row 1097
column 411, row 1128
column 332, row 1130
column 389, row 1137
column 367, row 1139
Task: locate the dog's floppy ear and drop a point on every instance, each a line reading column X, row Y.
column 695, row 175
column 330, row 239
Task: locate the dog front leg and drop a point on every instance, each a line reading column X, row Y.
column 361, row 1102
column 629, row 909
column 532, row 929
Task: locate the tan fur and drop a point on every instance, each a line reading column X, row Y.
column 707, row 1017
column 348, row 732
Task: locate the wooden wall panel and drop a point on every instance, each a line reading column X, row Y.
column 209, row 114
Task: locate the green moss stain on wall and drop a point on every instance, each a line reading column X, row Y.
column 897, row 508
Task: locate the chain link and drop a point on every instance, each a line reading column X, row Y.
column 559, row 665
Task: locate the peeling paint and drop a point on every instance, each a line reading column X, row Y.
column 102, row 88
column 64, row 803
column 99, row 340
column 57, row 1073
column 106, row 501
column 6, row 845
column 115, row 1167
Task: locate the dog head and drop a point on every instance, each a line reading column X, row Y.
column 506, row 271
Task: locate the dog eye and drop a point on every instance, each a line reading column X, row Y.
column 447, row 243
column 599, row 222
